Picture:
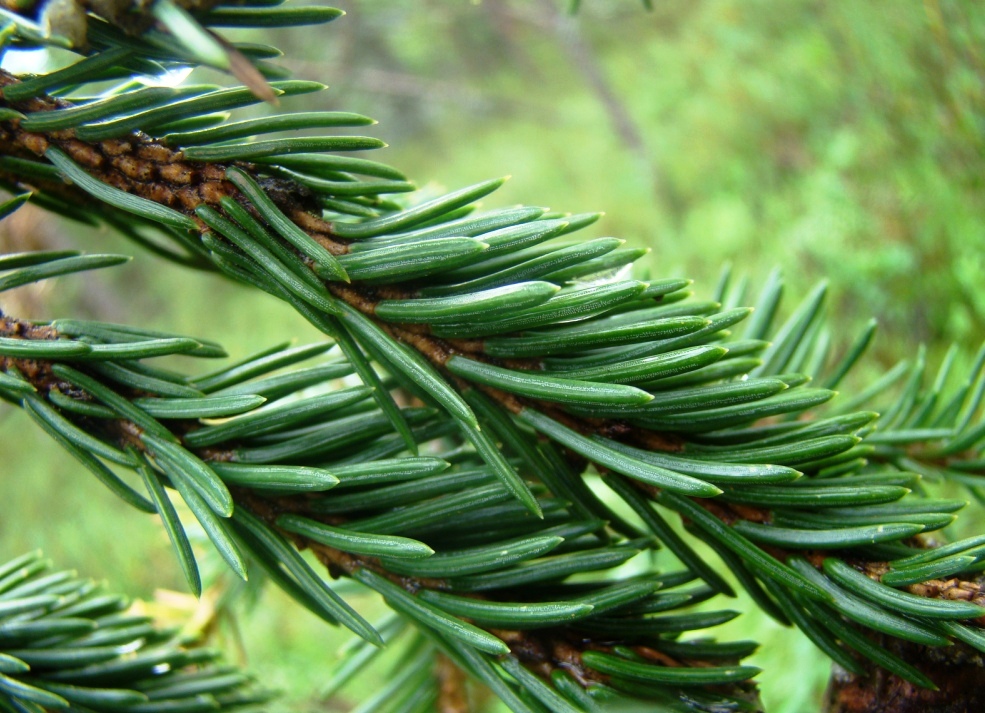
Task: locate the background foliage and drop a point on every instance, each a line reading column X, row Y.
column 836, row 139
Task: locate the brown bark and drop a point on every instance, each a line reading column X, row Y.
column 958, row 671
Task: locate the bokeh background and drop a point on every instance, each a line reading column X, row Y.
column 837, row 139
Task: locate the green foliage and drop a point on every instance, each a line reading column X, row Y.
column 836, row 140
column 504, row 370
column 66, row 645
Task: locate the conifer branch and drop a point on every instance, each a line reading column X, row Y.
column 550, row 642
column 525, row 352
column 65, row 644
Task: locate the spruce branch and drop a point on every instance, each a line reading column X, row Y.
column 461, row 595
column 65, row 644
column 502, row 333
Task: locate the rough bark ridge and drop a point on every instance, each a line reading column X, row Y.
column 959, row 673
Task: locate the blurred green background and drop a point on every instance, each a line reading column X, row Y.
column 837, row 139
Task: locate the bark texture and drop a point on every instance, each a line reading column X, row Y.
column 958, row 671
